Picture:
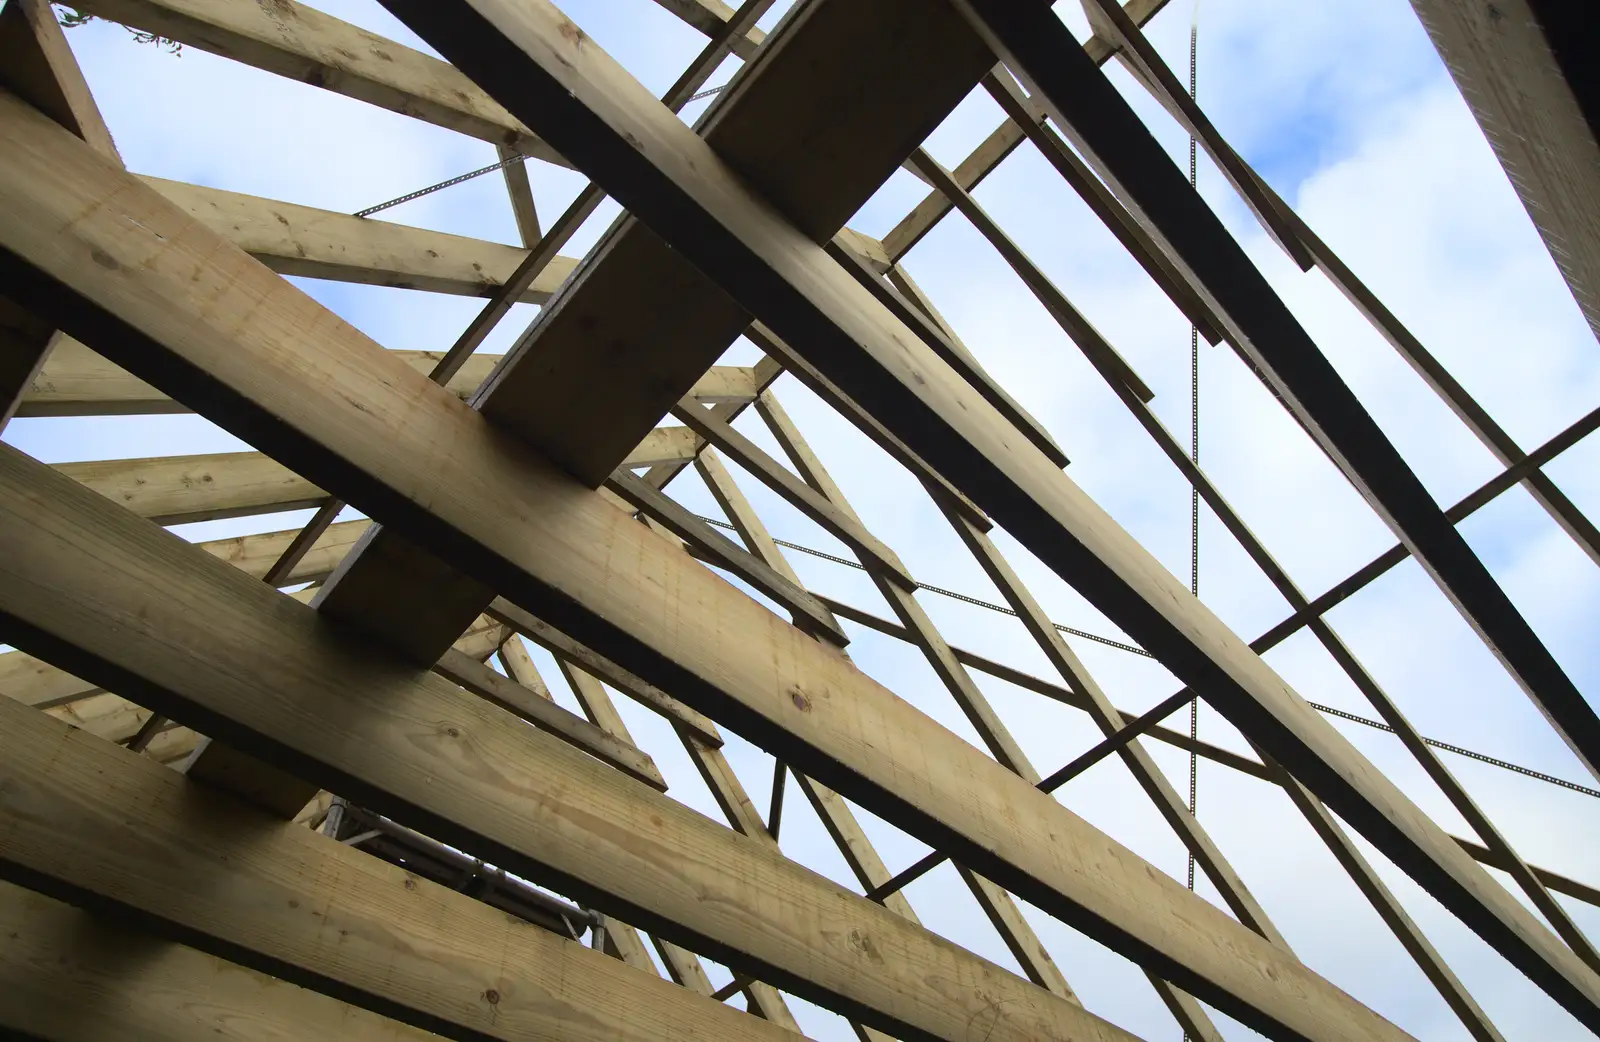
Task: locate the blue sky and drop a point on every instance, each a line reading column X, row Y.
column 1344, row 107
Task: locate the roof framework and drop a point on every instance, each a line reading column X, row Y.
column 371, row 769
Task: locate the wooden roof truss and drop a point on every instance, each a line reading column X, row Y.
column 527, row 496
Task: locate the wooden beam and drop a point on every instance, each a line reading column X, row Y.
column 816, row 121
column 128, row 983
column 520, row 192
column 309, row 387
column 26, row 341
column 172, row 490
column 301, row 43
column 125, row 834
column 610, row 126
column 37, row 65
column 302, row 240
column 264, row 673
column 1517, row 64
column 76, row 381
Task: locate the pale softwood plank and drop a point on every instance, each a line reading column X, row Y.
column 177, row 489
column 70, row 976
column 664, row 174
column 76, row 381
column 43, row 686
column 137, row 607
column 292, row 376
column 173, row 490
column 1502, row 61
column 520, row 192
column 37, row 64
column 116, row 828
column 303, row 240
column 302, row 43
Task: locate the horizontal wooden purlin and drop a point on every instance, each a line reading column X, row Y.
column 301, row 240
column 127, row 983
column 302, row 43
column 172, row 490
column 609, row 126
column 76, row 381
column 100, row 826
column 43, row 686
column 205, row 644
column 308, row 386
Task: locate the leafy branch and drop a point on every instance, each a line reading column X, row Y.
column 71, row 18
